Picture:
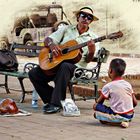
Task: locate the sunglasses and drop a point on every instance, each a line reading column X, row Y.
column 88, row 16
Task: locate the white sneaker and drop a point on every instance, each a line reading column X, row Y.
column 125, row 124
column 34, row 103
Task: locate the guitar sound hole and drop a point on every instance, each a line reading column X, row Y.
column 65, row 51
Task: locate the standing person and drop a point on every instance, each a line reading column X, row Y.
column 120, row 95
column 52, row 95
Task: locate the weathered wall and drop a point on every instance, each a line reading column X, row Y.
column 114, row 16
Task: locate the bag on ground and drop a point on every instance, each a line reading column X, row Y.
column 70, row 108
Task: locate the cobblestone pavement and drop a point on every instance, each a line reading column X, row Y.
column 58, row 127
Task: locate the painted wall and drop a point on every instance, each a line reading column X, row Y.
column 114, row 15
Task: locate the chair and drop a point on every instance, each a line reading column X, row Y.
column 83, row 77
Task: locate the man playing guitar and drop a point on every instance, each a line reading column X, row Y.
column 61, row 75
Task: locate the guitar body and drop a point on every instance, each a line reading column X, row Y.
column 50, row 64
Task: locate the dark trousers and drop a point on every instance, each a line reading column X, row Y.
column 61, row 79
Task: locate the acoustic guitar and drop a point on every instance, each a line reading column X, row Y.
column 70, row 51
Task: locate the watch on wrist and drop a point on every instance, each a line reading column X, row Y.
column 49, row 43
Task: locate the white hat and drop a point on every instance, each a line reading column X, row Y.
column 87, row 10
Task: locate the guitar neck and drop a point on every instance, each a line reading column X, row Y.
column 85, row 43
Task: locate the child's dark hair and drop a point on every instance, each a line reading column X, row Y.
column 118, row 65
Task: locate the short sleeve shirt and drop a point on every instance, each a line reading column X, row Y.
column 70, row 32
column 119, row 93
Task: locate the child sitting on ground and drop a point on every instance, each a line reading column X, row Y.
column 120, row 95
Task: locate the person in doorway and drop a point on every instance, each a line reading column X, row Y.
column 52, row 95
column 120, row 95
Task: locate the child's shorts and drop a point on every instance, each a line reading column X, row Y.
column 105, row 113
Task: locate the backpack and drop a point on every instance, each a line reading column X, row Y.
column 8, row 61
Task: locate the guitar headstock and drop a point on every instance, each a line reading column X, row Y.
column 115, row 35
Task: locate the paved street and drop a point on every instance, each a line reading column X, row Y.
column 58, row 127
column 132, row 64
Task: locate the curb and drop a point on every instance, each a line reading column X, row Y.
column 125, row 55
column 85, row 91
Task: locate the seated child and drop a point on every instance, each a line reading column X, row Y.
column 121, row 97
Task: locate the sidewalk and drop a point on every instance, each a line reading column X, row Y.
column 132, row 63
column 57, row 127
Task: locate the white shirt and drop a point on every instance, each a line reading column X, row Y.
column 119, row 93
column 67, row 33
